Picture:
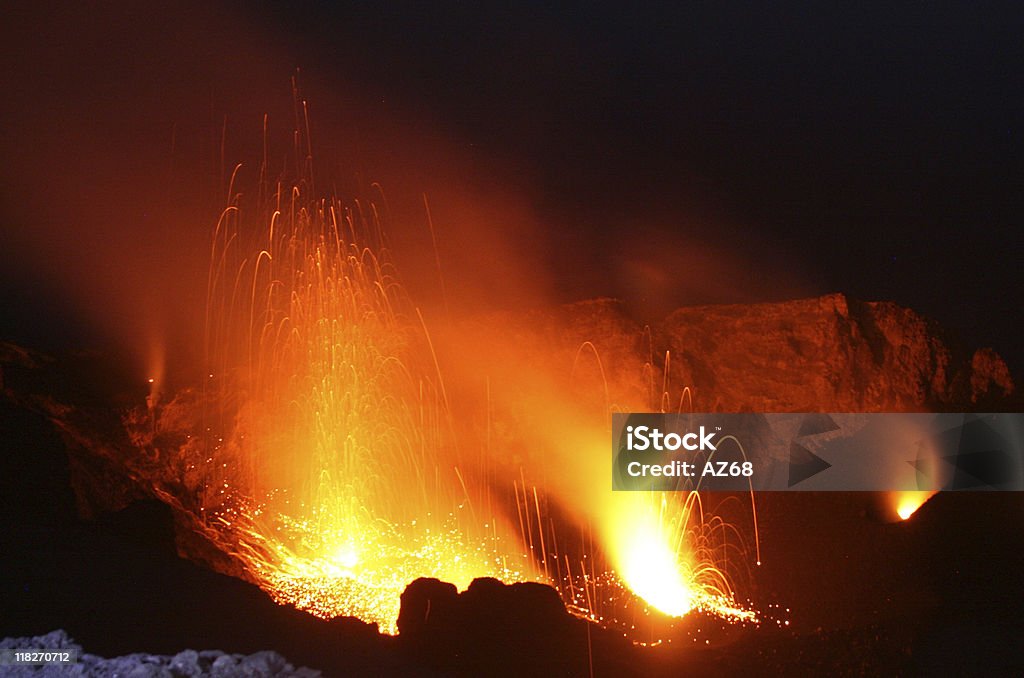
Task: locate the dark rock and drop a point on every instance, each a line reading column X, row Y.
column 265, row 664
column 427, row 604
column 149, row 523
column 521, row 626
column 34, row 471
column 207, row 657
column 224, row 665
column 429, row 621
column 541, row 603
column 186, row 664
column 56, row 640
column 518, row 629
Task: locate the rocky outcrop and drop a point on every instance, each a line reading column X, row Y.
column 989, row 375
column 185, row 664
column 827, row 353
column 520, row 629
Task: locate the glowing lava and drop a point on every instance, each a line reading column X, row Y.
column 332, row 475
column 366, row 579
column 907, row 503
column 665, row 553
column 651, row 569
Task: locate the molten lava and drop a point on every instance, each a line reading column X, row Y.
column 665, row 553
column 651, row 569
column 333, row 477
column 906, row 503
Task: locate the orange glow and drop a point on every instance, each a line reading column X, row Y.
column 662, row 550
column 321, row 456
column 333, row 477
column 651, row 570
column 906, row 503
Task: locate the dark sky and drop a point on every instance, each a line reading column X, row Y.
column 665, row 154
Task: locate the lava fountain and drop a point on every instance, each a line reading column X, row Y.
column 906, row 503
column 330, row 470
column 640, row 551
column 666, row 552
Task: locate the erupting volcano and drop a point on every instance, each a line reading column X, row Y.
column 322, row 458
column 336, row 474
column 325, row 464
column 640, row 340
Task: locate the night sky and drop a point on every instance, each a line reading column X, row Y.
column 665, row 155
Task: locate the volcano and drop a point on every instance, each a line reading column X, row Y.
column 93, row 546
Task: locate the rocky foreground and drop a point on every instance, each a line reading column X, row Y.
column 185, row 664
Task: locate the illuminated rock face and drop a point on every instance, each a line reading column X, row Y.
column 827, row 353
column 824, row 354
